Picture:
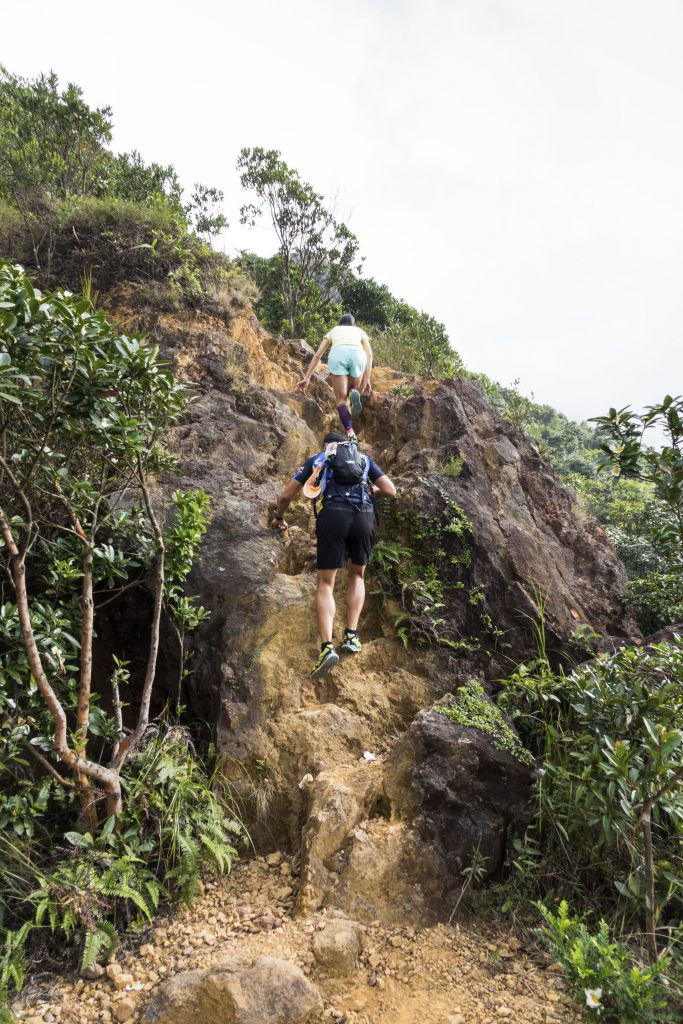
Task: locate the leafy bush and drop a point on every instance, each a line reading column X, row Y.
column 402, row 336
column 602, row 972
column 91, row 887
column 83, row 411
column 174, row 811
column 53, row 155
column 471, row 707
column 316, row 310
column 114, row 240
column 658, row 595
column 316, row 251
column 420, row 577
column 453, row 466
column 610, row 816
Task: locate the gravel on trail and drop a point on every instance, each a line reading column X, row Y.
column 404, row 975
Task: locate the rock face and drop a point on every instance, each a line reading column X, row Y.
column 269, row 991
column 249, row 431
column 459, row 792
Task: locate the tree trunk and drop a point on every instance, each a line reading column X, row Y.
column 650, row 923
column 85, row 793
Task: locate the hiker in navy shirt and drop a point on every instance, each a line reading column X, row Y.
column 344, row 530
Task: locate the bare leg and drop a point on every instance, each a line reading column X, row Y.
column 324, row 603
column 355, row 594
column 340, row 385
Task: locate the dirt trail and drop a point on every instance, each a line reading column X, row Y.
column 405, row 975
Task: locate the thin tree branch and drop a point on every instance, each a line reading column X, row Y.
column 47, row 766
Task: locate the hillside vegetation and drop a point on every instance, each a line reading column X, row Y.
column 112, row 799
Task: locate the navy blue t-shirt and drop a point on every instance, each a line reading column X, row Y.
column 354, row 494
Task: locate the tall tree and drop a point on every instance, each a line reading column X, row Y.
column 317, row 251
column 83, row 412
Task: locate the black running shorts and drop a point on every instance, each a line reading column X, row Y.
column 344, row 532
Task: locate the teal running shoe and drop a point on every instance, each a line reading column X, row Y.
column 351, row 643
column 327, row 659
column 356, row 404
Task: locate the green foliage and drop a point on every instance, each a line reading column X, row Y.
column 420, row 577
column 453, row 467
column 316, row 250
column 182, row 541
column 54, row 159
column 118, row 240
column 657, row 589
column 316, row 310
column 126, row 176
column 51, row 150
column 471, row 707
column 402, row 337
column 13, row 964
column 625, row 453
column 372, row 303
column 174, row 827
column 610, row 816
column 518, row 408
column 174, row 812
column 203, row 211
column 602, row 972
column 83, row 411
column 417, row 344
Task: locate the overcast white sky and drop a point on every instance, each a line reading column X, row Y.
column 514, row 167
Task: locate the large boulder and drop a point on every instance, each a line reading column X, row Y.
column 530, row 538
column 460, row 793
column 268, row 991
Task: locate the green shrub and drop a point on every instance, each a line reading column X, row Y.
column 421, row 577
column 471, row 707
column 610, row 816
column 316, row 251
column 83, row 411
column 89, row 888
column 453, row 467
column 316, row 310
column 113, row 240
column 603, row 973
column 14, row 241
column 657, row 598
column 173, row 809
column 626, row 454
column 416, row 344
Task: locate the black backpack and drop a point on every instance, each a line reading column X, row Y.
column 347, row 465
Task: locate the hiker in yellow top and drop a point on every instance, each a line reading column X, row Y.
column 350, row 366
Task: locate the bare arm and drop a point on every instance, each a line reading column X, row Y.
column 303, row 384
column 366, row 385
column 289, row 493
column 383, row 485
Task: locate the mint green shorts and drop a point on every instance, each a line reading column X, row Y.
column 347, row 361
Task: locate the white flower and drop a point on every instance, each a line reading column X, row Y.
column 593, row 997
column 616, row 471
